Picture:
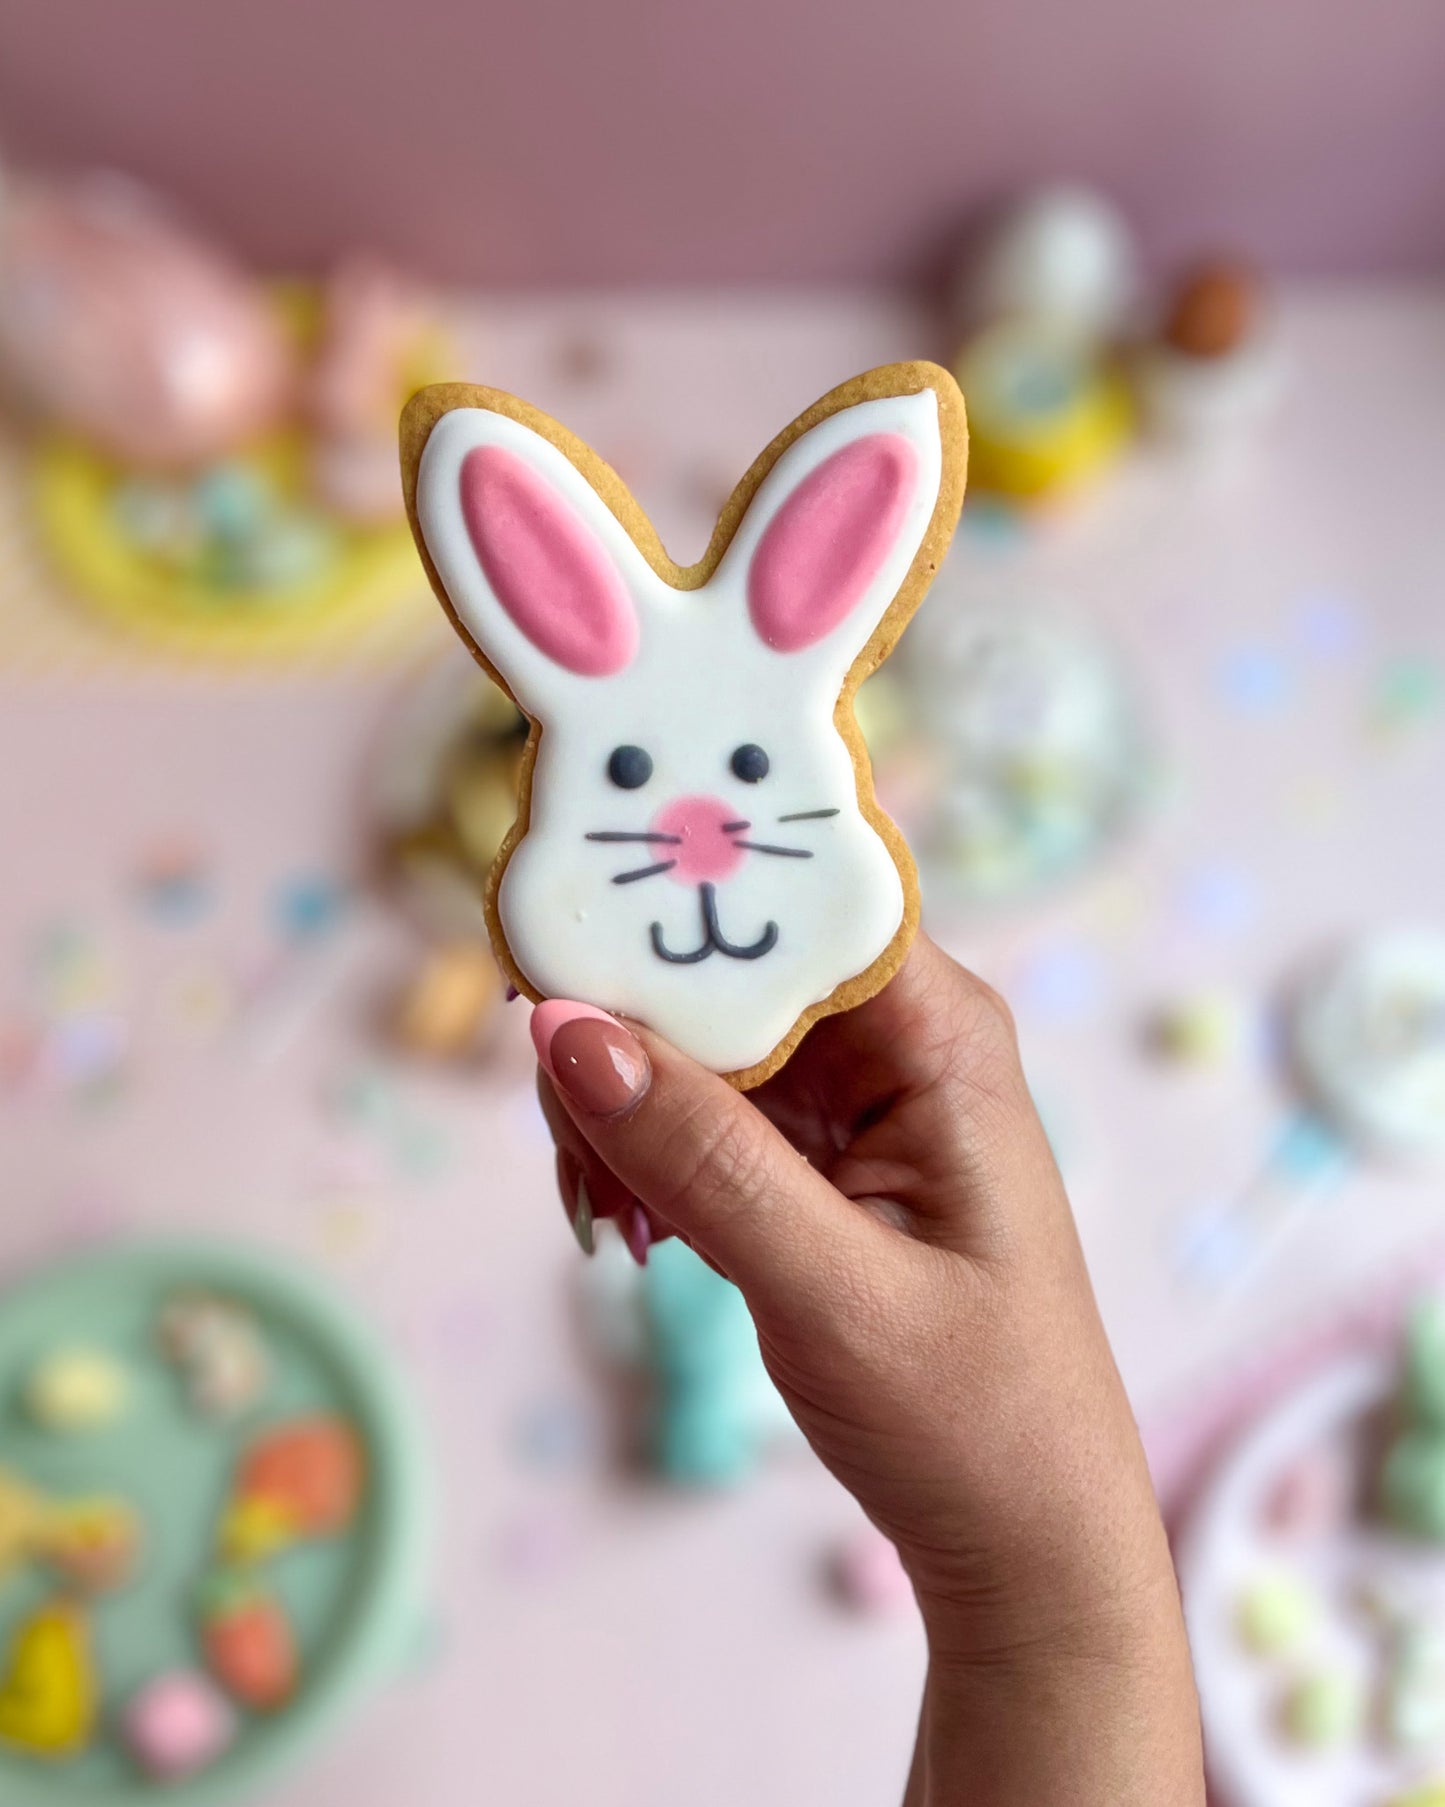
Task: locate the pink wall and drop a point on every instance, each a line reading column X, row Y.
column 521, row 141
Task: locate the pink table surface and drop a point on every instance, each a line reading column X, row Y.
column 597, row 1638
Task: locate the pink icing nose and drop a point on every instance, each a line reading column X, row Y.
column 705, row 850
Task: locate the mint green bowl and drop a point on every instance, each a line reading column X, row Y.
column 357, row 1602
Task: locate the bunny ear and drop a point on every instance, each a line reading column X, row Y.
column 532, row 559
column 824, row 546
column 546, row 568
column 836, row 523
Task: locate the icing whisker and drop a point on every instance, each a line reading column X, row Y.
column 735, row 827
column 618, row 834
column 787, row 853
column 628, row 878
column 808, row 815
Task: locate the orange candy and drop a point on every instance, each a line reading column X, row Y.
column 312, row 1469
column 248, row 1644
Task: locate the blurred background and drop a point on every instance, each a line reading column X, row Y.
column 378, row 1488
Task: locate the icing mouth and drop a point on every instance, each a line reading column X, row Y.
column 714, row 941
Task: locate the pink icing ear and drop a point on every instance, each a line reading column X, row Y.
column 548, row 570
column 825, row 545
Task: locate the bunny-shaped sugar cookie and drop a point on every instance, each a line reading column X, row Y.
column 697, row 844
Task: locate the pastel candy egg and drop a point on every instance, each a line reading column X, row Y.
column 1063, row 253
column 72, row 1391
column 1323, row 1709
column 869, row 1576
column 1275, row 1615
column 177, row 1725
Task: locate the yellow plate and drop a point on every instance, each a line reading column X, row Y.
column 75, row 490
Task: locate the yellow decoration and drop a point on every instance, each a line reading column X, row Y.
column 1044, row 413
column 92, row 1542
column 22, row 1520
column 47, row 1699
column 73, row 1391
column 256, row 1528
column 1432, row 1794
column 75, row 487
column 375, row 571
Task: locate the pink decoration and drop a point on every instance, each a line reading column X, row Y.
column 177, row 1725
column 869, row 1575
column 1315, row 1496
column 826, row 543
column 547, row 568
column 120, row 326
column 704, row 851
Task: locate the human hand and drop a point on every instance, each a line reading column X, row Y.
column 890, row 1208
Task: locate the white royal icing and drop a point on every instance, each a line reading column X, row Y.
column 701, row 684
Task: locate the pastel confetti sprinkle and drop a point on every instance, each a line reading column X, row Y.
column 557, row 1435
column 1409, row 693
column 1063, row 981
column 1252, row 680
column 1218, row 899
column 308, row 908
column 1214, row 1246
column 1328, row 627
column 174, row 887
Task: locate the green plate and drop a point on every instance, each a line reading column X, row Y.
column 355, row 1602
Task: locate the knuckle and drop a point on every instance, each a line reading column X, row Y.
column 712, row 1163
column 984, row 1052
column 991, row 1020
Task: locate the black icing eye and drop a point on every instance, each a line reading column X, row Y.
column 630, row 767
column 749, row 763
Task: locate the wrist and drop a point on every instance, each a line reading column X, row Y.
column 1103, row 1715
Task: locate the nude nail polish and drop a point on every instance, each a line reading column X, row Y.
column 597, row 1063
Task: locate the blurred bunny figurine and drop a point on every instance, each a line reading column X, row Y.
column 712, row 1412
column 717, row 1412
column 120, row 326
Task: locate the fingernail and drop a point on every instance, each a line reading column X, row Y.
column 600, row 1066
column 582, row 1220
column 637, row 1233
column 576, row 1201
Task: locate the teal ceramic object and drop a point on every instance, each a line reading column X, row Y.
column 356, row 1602
column 717, row 1409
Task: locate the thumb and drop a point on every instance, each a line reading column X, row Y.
column 698, row 1155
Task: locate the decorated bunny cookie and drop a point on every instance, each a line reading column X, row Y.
column 697, row 844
